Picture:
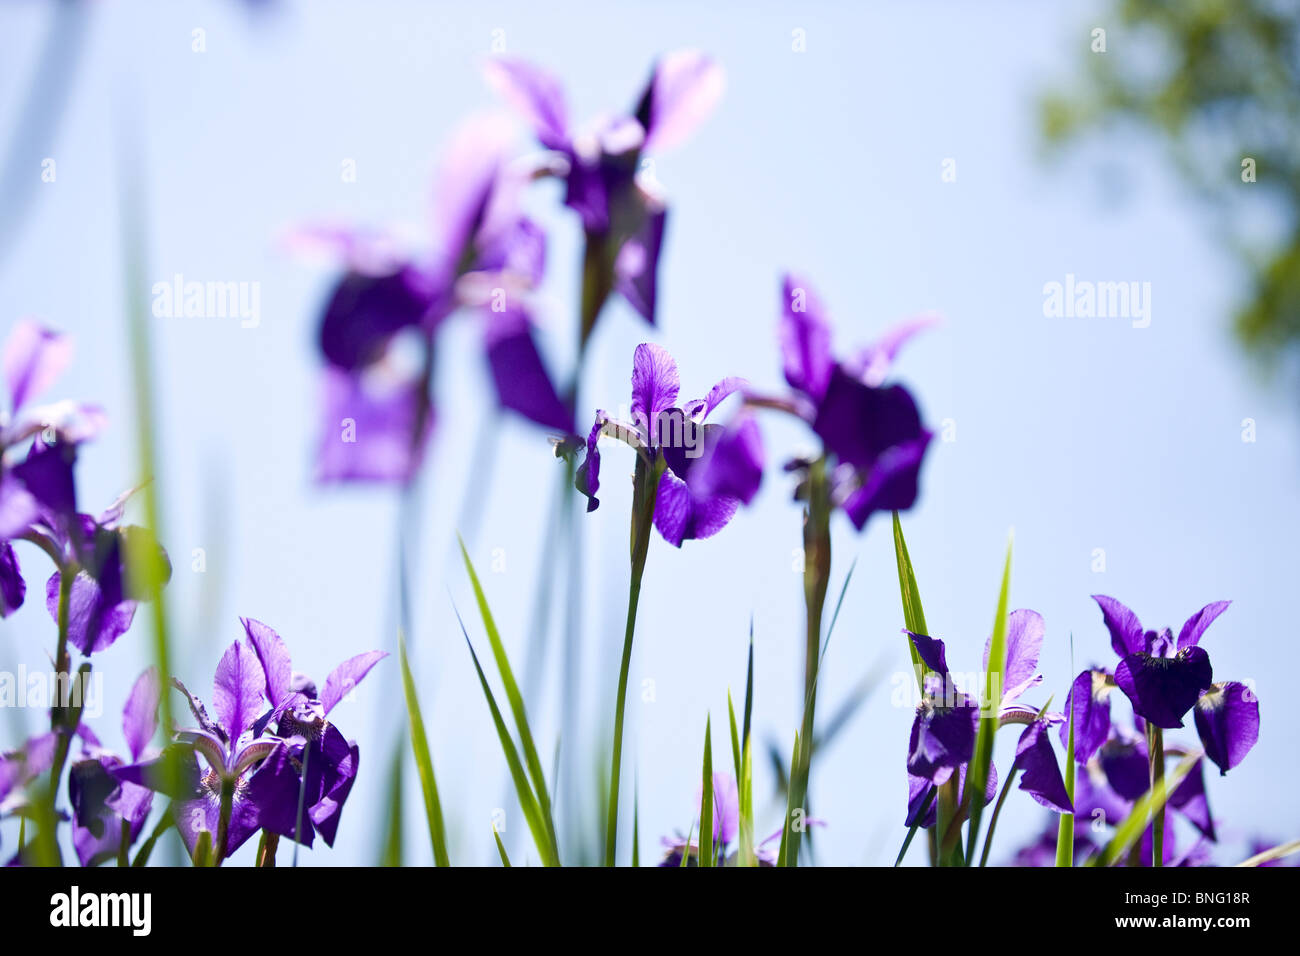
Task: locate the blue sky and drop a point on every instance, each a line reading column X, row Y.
column 1079, row 433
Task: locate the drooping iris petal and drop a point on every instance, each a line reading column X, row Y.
column 943, row 736
column 1227, row 720
column 46, row 473
column 1124, row 760
column 237, row 689
column 1163, row 689
column 682, row 92
column 1189, row 799
column 733, row 465
column 95, row 617
column 370, row 429
column 1126, row 635
column 587, row 477
column 1040, row 774
column 18, row 507
column 1024, row 644
column 523, row 385
column 346, row 676
column 918, row 793
column 273, row 790
column 202, row 814
column 805, row 337
column 33, row 358
column 1195, row 626
column 859, row 423
column 364, row 312
column 1089, row 698
column 341, row 760
column 680, row 514
column 13, row 589
column 891, row 484
column 636, row 267
column 655, row 384
column 536, row 94
column 931, row 651
column 1094, row 798
column 140, row 715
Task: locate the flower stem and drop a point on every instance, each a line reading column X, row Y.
column 223, row 821
column 1156, row 749
column 816, row 579
column 993, row 821
column 266, row 849
column 645, row 484
column 58, row 708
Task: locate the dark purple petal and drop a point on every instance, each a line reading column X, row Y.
column 943, row 738
column 237, row 690
column 1024, row 643
column 805, row 337
column 273, row 656
column 918, row 790
column 364, row 312
column 1189, row 799
column 892, row 483
column 654, row 385
column 273, row 790
column 733, row 465
column 47, row 475
column 1190, row 635
column 1126, row 635
column 1095, row 799
column 346, row 676
column 1227, row 719
column 680, row 514
column 13, row 589
column 341, row 759
column 536, row 94
column 33, row 358
column 1163, row 689
column 1089, row 698
column 682, row 92
column 18, row 507
column 371, row 428
column 140, row 715
column 1125, row 762
column 522, row 382
column 931, row 651
column 636, row 267
column 587, row 477
column 1041, row 776
column 860, row 423
column 95, row 621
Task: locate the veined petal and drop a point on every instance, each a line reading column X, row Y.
column 237, row 690
column 1163, row 689
column 655, row 384
column 1227, row 720
column 681, row 514
column 273, row 656
column 95, row 620
column 1126, row 635
column 1024, row 643
column 346, row 676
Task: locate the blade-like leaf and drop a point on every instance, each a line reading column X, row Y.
column 1276, row 853
column 527, row 800
column 993, row 680
column 916, row 825
column 516, row 701
column 501, row 848
column 735, row 738
column 790, row 807
column 706, row 799
column 423, row 762
column 913, row 615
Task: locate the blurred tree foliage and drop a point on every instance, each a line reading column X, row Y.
column 1219, row 82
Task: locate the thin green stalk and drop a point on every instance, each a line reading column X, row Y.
column 302, row 802
column 645, row 483
column 816, row 579
column 223, row 821
column 993, row 821
column 1065, row 829
column 1156, row 750
column 706, row 799
column 266, row 849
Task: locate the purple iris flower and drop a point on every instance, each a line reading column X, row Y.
column 378, row 330
column 709, row 470
column 606, row 180
column 947, row 722
column 313, row 743
column 874, row 430
column 1089, row 698
column 1164, row 679
column 263, row 794
column 105, row 809
column 726, row 828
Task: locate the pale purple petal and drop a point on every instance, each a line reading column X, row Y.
column 805, row 337
column 726, row 807
column 140, row 716
column 33, row 358
column 872, row 365
column 683, row 91
column 237, row 690
column 1024, row 642
column 347, row 676
column 95, row 620
column 1190, row 635
column 535, row 94
column 655, row 384
column 370, row 428
column 636, row 267
column 466, row 176
column 273, row 656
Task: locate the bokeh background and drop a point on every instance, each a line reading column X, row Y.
column 1082, row 434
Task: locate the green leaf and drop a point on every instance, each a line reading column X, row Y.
column 527, row 800
column 789, row 809
column 392, row 851
column 1151, row 802
column 920, row 818
column 516, row 701
column 735, row 738
column 501, row 848
column 636, row 823
column 993, row 679
column 913, row 615
column 1276, row 853
column 423, row 762
column 706, row 798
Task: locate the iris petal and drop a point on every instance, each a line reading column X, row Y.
column 1163, row 689
column 1227, row 719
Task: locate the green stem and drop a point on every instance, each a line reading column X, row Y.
column 816, row 579
column 58, row 710
column 266, row 849
column 1156, row 749
column 993, row 821
column 124, row 845
column 645, row 484
column 223, row 822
